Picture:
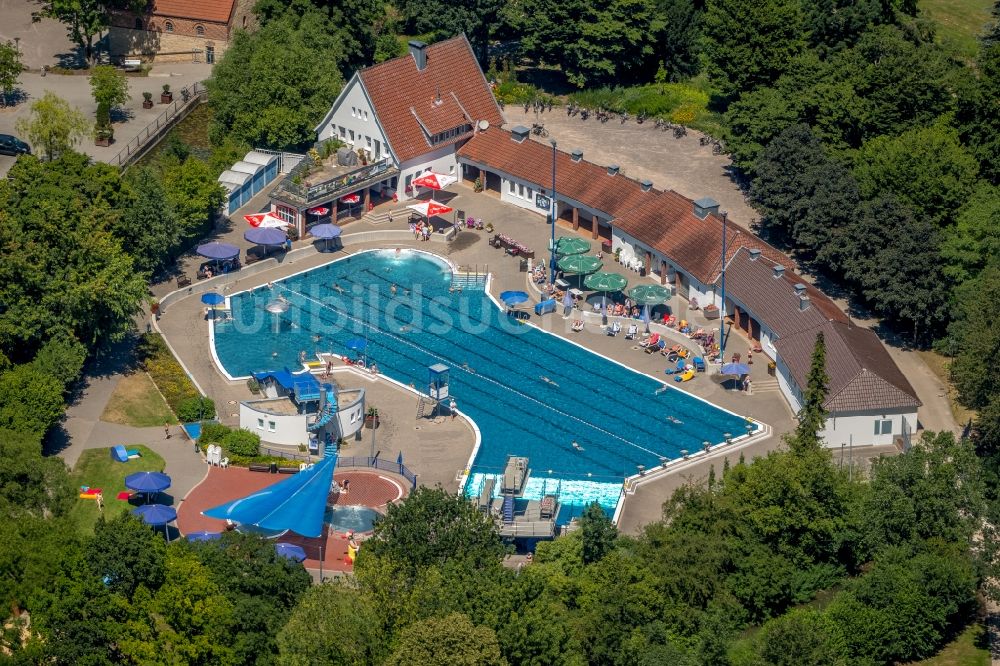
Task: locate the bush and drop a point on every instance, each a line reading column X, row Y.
column 213, row 433
column 166, row 372
column 241, row 443
column 195, row 409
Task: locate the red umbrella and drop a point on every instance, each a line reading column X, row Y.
column 430, row 208
column 435, row 181
column 265, row 221
column 350, row 198
column 318, row 211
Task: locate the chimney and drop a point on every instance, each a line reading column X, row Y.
column 779, row 271
column 576, row 155
column 754, row 254
column 646, row 184
column 803, row 303
column 705, row 206
column 519, row 133
column 419, row 52
column 613, row 169
column 800, row 289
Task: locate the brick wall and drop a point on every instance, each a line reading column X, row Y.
column 183, row 43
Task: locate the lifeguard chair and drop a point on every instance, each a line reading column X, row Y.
column 437, row 390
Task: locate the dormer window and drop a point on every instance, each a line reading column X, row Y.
column 447, row 135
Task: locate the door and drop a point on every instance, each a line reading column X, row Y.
column 210, row 55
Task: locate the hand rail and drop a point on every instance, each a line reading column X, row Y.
column 332, row 186
column 189, row 96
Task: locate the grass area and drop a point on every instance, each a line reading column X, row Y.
column 969, row 649
column 136, row 402
column 96, row 469
column 939, row 366
column 959, row 23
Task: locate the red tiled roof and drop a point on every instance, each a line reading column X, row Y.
column 396, row 85
column 217, row 11
column 531, row 161
column 439, row 116
column 863, row 377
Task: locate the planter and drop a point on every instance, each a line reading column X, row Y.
column 711, row 312
column 371, row 422
column 103, row 141
column 166, row 98
column 147, row 104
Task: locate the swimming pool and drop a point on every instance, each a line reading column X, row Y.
column 497, row 365
column 351, row 518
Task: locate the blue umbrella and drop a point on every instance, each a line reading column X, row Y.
column 737, row 369
column 356, row 344
column 219, row 251
column 155, row 514
column 266, row 236
column 147, row 482
column 204, row 536
column 513, row 297
column 291, row 551
column 325, row 231
column 213, row 299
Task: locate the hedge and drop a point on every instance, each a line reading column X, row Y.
column 166, row 372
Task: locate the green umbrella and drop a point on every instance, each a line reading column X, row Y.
column 569, row 245
column 579, row 264
column 647, row 295
column 605, row 282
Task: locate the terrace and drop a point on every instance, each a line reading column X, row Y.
column 308, row 184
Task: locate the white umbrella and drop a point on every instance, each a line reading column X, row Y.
column 266, row 220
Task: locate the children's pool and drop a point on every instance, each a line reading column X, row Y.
column 497, row 369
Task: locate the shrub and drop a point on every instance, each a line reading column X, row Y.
column 241, row 443
column 165, row 371
column 195, row 409
column 213, row 433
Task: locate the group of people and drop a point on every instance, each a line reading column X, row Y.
column 538, row 274
column 421, row 230
column 619, row 310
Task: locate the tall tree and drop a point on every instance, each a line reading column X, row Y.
column 449, row 640
column 681, row 39
column 148, row 228
column 85, row 19
column 440, row 19
column 976, row 339
column 30, row 400
column 10, row 69
column 599, row 533
column 812, row 415
column 332, row 624
column 750, row 44
column 109, row 86
column 54, row 125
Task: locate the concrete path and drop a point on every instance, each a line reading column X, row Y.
column 83, row 429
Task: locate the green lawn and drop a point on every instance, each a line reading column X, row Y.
column 969, row 649
column 959, row 23
column 136, row 402
column 96, row 469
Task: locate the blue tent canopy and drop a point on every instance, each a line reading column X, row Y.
column 155, row 514
column 303, row 385
column 297, row 503
column 204, row 536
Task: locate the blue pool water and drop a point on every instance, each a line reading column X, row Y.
column 350, row 518
column 496, row 367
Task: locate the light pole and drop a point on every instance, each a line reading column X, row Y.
column 552, row 219
column 722, row 307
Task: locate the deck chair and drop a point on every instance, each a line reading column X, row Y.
column 650, row 341
column 658, row 347
column 614, row 329
column 699, row 364
column 577, row 325
column 632, row 331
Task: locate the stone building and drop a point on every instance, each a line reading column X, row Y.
column 178, row 30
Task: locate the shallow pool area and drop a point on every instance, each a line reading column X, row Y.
column 529, row 392
column 351, row 518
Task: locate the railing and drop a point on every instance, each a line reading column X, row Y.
column 378, row 463
column 330, row 189
column 279, row 453
column 190, row 97
column 286, row 161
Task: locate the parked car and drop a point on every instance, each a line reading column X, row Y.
column 11, row 145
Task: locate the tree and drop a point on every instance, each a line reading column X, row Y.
column 812, row 416
column 449, row 640
column 270, row 89
column 430, row 527
column 30, row 401
column 331, row 624
column 833, row 25
column 127, row 554
column 975, row 239
column 681, row 37
column 439, row 19
column 194, row 195
column 750, row 44
column 10, row 69
column 29, row 482
column 109, row 86
column 148, row 228
column 800, row 638
column 599, row 533
column 976, row 339
column 85, row 19
column 54, row 125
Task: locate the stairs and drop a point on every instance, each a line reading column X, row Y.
column 508, row 509
column 469, row 281
column 769, row 385
column 330, row 449
column 381, row 217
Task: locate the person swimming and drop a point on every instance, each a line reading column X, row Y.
column 547, row 380
column 404, row 329
column 661, row 389
column 337, row 288
column 674, row 419
column 467, row 368
column 392, row 289
column 577, row 447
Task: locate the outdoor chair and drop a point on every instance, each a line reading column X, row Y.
column 183, row 281
column 632, row 331
column 614, row 329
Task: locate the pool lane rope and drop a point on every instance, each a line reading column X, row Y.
column 451, row 362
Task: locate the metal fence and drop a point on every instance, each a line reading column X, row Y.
column 286, row 161
column 354, row 462
column 187, row 99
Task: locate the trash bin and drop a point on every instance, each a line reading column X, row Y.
column 524, row 265
column 274, row 468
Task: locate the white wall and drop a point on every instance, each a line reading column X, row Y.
column 287, row 430
column 703, row 294
column 438, row 160
column 350, row 419
column 858, row 428
column 523, row 196
column 362, row 122
column 788, row 386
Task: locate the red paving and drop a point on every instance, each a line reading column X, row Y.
column 223, row 485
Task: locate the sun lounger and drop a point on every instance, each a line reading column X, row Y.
column 614, row 329
column 699, row 364
column 658, row 347
column 578, row 325
column 650, row 341
column 632, row 331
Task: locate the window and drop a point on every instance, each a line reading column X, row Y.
column 271, row 426
column 366, row 116
column 260, row 424
column 520, row 190
column 343, row 132
column 168, row 26
column 378, row 149
column 138, row 23
column 351, row 133
column 451, row 169
column 531, row 194
column 199, row 30
column 354, row 112
column 883, row 426
column 368, row 141
column 287, row 214
column 511, row 187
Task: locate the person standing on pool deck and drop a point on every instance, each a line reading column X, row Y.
column 453, row 408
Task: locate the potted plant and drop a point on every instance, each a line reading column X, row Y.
column 254, row 386
column 477, row 186
column 154, row 308
column 371, row 417
column 104, row 136
column 166, row 97
column 147, row 100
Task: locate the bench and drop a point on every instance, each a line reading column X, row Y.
column 183, row 281
column 259, row 467
column 288, row 470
